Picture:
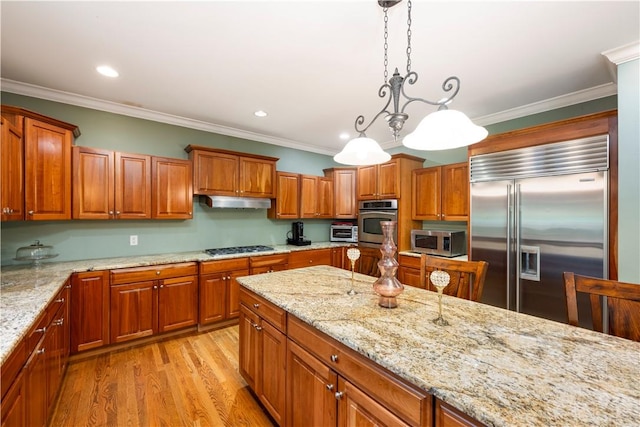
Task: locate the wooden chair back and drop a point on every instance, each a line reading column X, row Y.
column 623, row 304
column 467, row 277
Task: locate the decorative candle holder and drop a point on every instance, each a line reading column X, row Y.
column 353, row 254
column 387, row 286
column 440, row 280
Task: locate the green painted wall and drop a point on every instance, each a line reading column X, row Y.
column 629, row 171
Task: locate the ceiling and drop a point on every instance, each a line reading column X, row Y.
column 313, row 66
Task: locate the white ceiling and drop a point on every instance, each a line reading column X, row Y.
column 314, row 66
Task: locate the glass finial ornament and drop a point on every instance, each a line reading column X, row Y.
column 387, row 286
column 353, row 254
column 440, row 280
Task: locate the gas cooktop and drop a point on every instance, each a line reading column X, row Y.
column 238, row 250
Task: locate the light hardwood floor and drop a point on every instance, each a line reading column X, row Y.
column 184, row 381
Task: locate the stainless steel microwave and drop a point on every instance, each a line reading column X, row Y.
column 437, row 242
column 344, row 233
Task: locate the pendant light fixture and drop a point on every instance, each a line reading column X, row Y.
column 440, row 130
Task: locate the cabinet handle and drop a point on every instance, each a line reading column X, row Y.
column 61, row 300
column 41, row 351
column 258, row 328
column 59, row 322
column 329, row 387
column 334, row 357
column 256, row 305
column 41, row 330
column 339, row 395
column 30, row 212
column 68, row 287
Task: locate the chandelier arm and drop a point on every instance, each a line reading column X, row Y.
column 382, row 92
column 451, row 83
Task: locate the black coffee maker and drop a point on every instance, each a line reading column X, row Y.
column 296, row 235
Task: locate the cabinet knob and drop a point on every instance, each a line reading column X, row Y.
column 161, row 286
column 61, row 300
column 59, row 322
column 155, row 286
column 256, row 305
column 30, row 212
column 41, row 351
column 117, row 212
column 158, row 273
column 329, row 387
column 110, row 212
column 334, row 357
column 339, row 395
column 258, row 328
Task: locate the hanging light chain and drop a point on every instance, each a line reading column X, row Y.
column 408, row 36
column 386, row 45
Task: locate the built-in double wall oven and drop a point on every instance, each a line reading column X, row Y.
column 370, row 214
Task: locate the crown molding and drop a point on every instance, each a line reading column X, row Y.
column 622, row 54
column 35, row 91
column 25, row 89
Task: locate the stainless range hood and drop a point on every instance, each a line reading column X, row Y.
column 235, row 202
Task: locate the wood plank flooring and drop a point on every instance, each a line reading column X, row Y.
column 184, row 381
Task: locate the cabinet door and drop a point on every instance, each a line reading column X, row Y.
column 368, row 261
column 14, row 405
column 455, row 192
column 132, row 186
column 367, row 182
column 287, row 197
column 249, row 347
column 134, row 311
column 389, row 180
column 257, row 178
column 11, row 164
column 308, row 196
column 448, row 416
column 425, row 203
column 90, row 310
column 337, row 258
column 178, row 303
column 324, row 205
column 215, row 173
column 36, row 386
column 409, row 276
column 344, row 194
column 356, row 409
column 310, row 390
column 233, row 293
column 47, row 171
column 93, row 183
column 213, row 295
column 172, row 188
column 271, row 388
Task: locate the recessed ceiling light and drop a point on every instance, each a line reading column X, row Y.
column 260, row 113
column 344, row 136
column 106, row 70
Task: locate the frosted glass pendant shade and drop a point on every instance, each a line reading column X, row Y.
column 362, row 151
column 443, row 130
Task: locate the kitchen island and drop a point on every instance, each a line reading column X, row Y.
column 499, row 367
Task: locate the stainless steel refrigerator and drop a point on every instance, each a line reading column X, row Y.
column 535, row 213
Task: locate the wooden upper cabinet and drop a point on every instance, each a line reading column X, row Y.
column 229, row 173
column 345, row 205
column 133, row 186
column 387, row 180
column 441, row 193
column 47, row 171
column 172, row 188
column 316, row 197
column 12, row 172
column 287, row 202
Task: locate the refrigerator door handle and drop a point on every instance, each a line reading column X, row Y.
column 517, row 248
column 509, row 245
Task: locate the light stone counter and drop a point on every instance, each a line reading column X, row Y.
column 25, row 291
column 500, row 367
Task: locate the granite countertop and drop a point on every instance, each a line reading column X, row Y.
column 25, row 290
column 499, row 367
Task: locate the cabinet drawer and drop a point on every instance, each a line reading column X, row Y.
column 408, row 402
column 268, row 260
column 224, row 265
column 263, row 308
column 308, row 258
column 409, row 261
column 138, row 274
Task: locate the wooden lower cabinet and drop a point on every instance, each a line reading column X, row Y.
column 14, row 404
column 268, row 263
column 448, row 416
column 307, row 258
column 409, row 270
column 357, row 409
column 150, row 300
column 219, row 289
column 90, row 310
column 262, row 352
column 338, row 256
column 368, row 261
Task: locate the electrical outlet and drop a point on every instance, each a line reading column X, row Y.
column 133, row 240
